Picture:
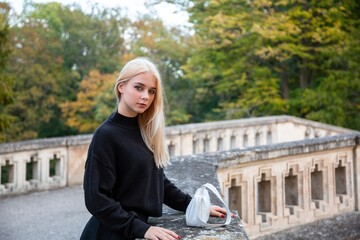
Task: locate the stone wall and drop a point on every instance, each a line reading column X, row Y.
column 278, row 186
column 276, row 172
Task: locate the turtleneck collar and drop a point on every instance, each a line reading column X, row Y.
column 125, row 121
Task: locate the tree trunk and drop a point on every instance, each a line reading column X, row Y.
column 284, row 85
column 303, row 74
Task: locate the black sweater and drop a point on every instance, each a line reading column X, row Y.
column 122, row 184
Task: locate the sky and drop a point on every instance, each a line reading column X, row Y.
column 167, row 12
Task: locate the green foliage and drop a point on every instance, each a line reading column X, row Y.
column 254, row 58
column 242, row 59
column 231, row 80
column 6, row 81
column 55, row 47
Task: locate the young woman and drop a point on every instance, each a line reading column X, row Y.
column 124, row 181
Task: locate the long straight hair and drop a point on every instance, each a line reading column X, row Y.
column 152, row 121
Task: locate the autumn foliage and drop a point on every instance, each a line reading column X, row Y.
column 238, row 59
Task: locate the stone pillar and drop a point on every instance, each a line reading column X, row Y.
column 186, row 144
column 212, row 142
column 20, row 170
column 43, row 161
column 226, row 136
column 76, row 164
column 251, row 137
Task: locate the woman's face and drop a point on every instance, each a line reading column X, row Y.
column 137, row 94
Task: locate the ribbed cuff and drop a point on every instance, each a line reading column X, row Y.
column 139, row 228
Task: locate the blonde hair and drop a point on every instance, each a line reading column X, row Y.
column 152, row 121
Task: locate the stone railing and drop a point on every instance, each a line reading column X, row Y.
column 56, row 162
column 282, row 185
column 287, row 182
column 225, row 135
column 42, row 164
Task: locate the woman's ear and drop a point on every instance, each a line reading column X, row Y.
column 120, row 87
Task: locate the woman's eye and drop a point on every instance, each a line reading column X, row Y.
column 138, row 88
column 152, row 92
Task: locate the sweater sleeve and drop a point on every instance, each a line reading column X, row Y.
column 174, row 197
column 99, row 180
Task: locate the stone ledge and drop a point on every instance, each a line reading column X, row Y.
column 250, row 122
column 43, row 143
column 189, row 173
column 176, row 222
column 226, row 159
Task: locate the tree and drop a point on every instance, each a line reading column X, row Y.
column 36, row 64
column 352, row 56
column 6, row 82
column 310, row 36
column 55, row 47
column 256, row 58
column 94, row 102
column 226, row 70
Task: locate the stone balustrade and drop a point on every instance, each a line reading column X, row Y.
column 56, row 162
column 277, row 172
column 278, row 186
column 42, row 164
column 225, row 135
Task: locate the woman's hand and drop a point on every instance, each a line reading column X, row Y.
column 217, row 211
column 159, row 233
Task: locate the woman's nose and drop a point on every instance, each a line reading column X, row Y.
column 145, row 95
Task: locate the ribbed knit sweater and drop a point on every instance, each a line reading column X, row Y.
column 122, row 184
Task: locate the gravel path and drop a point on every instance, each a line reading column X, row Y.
column 57, row 215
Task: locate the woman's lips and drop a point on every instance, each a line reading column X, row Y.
column 142, row 105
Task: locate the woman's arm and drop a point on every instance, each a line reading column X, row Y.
column 99, row 181
column 174, row 197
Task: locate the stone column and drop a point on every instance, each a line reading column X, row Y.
column 76, row 164
column 186, row 145
column 20, row 170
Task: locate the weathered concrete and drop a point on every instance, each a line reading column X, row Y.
column 189, row 173
column 343, row 226
column 61, row 214
column 235, row 231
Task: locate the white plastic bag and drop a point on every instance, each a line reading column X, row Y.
column 198, row 210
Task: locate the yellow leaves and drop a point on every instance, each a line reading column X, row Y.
column 269, row 52
column 284, row 51
column 83, row 114
column 276, row 28
column 263, row 3
column 224, row 28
